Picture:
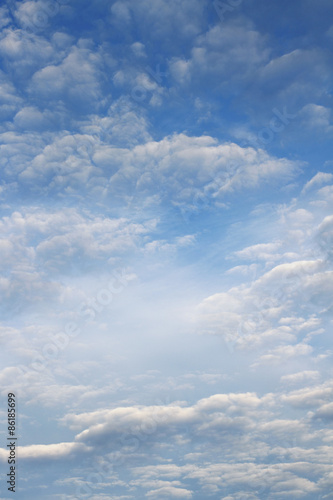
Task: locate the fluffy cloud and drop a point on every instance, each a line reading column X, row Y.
column 276, row 454
column 224, row 53
column 24, row 54
column 241, row 479
column 180, row 169
column 160, row 18
column 310, row 397
column 93, row 179
column 76, row 79
column 53, row 236
column 169, row 492
column 39, row 246
column 279, row 304
column 301, row 377
column 316, row 118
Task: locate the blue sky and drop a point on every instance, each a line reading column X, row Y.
column 166, row 248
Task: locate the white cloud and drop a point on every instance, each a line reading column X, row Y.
column 262, row 251
column 40, row 246
column 310, row 396
column 179, row 169
column 288, row 294
column 123, row 126
column 53, row 237
column 301, row 377
column 159, row 18
column 318, row 179
column 224, row 53
column 26, row 53
column 316, row 118
column 245, row 478
column 47, row 451
column 4, row 17
column 169, row 492
column 138, row 49
column 9, row 98
column 76, row 78
column 30, row 118
column 90, row 177
column 325, row 411
column 291, row 69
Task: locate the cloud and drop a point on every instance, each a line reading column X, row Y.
column 54, row 236
column 39, row 247
column 4, row 17
column 47, row 451
column 301, row 377
column 9, row 98
column 316, row 118
column 262, row 251
column 325, row 411
column 317, row 180
column 169, row 492
column 30, row 118
column 95, row 178
column 205, row 415
column 179, row 169
column 287, row 294
column 240, row 478
column 123, row 126
column 24, row 54
column 232, row 52
column 139, row 49
column 249, row 315
column 283, row 353
column 160, row 18
column 272, row 452
column 310, row 396
column 77, row 79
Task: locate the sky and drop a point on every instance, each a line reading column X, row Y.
column 166, row 236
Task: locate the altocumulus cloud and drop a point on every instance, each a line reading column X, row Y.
column 177, row 149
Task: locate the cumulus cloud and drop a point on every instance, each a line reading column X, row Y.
column 301, row 377
column 160, row 18
column 24, row 54
column 94, row 175
column 310, row 397
column 231, row 51
column 50, row 236
column 278, row 306
column 40, row 245
column 169, row 492
column 316, row 118
column 179, row 169
column 240, row 478
column 76, row 78
column 276, row 454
